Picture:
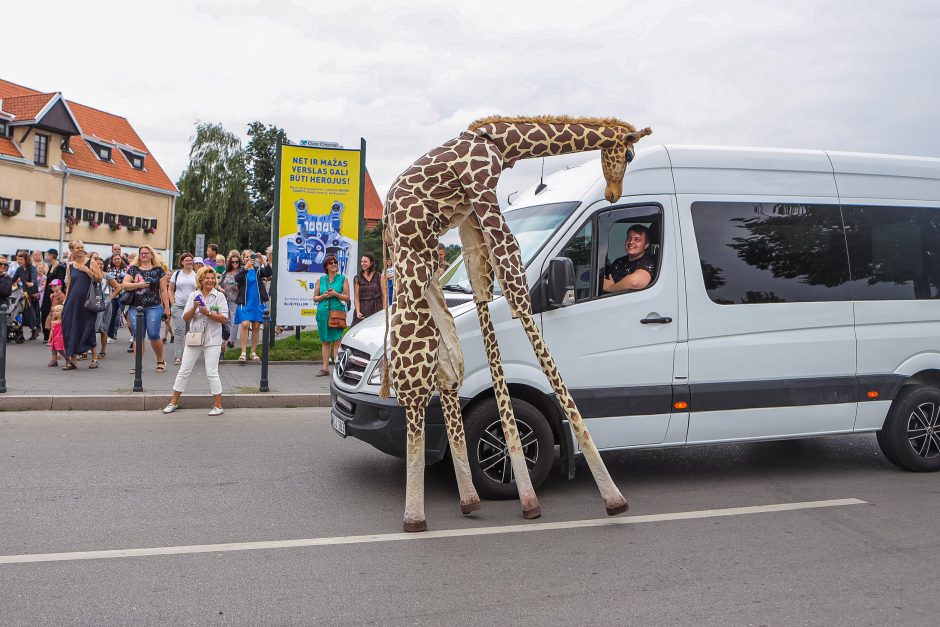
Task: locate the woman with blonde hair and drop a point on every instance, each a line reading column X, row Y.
column 148, row 279
column 206, row 309
column 78, row 324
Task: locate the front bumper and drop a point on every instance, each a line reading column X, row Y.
column 381, row 422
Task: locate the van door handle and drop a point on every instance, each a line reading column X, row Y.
column 660, row 320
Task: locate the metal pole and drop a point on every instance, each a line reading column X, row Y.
column 3, row 349
column 265, row 345
column 65, row 180
column 297, row 333
column 139, row 350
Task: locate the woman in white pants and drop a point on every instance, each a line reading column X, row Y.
column 205, row 311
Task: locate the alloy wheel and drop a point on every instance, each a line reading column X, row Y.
column 493, row 454
column 923, row 430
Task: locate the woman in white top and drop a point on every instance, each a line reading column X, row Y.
column 182, row 284
column 205, row 311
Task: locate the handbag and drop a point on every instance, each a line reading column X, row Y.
column 94, row 300
column 337, row 319
column 194, row 338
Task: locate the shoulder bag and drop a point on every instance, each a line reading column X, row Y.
column 337, row 319
column 94, row 300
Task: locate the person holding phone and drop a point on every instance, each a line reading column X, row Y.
column 252, row 300
column 205, row 310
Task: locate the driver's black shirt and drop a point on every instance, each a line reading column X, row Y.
column 622, row 266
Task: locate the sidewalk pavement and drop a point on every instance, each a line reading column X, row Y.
column 32, row 385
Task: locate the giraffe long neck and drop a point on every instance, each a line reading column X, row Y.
column 526, row 140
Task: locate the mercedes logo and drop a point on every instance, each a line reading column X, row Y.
column 341, row 362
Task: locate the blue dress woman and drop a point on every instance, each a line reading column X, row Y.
column 252, row 300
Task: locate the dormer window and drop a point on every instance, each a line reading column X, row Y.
column 3, row 128
column 136, row 160
column 101, row 151
column 41, row 150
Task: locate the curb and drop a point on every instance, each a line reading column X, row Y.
column 153, row 402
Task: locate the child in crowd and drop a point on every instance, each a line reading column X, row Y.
column 56, row 297
column 56, row 341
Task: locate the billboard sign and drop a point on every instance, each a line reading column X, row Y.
column 318, row 213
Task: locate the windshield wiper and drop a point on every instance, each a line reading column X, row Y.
column 453, row 287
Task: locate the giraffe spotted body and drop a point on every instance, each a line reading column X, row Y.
column 454, row 185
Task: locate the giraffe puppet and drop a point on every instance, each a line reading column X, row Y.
column 454, row 186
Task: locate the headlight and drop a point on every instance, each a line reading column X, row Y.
column 376, row 377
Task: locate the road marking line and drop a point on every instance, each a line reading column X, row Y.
column 427, row 535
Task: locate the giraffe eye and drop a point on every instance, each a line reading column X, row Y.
column 629, row 156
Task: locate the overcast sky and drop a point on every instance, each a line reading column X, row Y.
column 408, row 75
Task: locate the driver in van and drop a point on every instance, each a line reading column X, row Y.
column 636, row 269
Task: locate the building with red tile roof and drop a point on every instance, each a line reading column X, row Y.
column 70, row 171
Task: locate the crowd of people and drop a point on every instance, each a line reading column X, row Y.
column 78, row 304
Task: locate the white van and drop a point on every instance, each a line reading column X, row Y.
column 796, row 294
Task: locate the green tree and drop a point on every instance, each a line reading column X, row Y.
column 213, row 191
column 261, row 154
column 371, row 242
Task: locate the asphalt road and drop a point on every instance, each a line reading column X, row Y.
column 77, row 482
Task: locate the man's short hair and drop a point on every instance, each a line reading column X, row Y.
column 52, row 252
column 642, row 230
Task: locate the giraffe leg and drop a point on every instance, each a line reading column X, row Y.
column 613, row 499
column 469, row 500
column 414, row 488
column 530, row 503
column 449, row 380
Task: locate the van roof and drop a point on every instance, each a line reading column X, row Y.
column 850, row 174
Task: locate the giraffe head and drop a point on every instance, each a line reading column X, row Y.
column 614, row 161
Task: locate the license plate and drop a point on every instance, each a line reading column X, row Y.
column 339, row 425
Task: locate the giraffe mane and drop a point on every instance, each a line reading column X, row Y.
column 554, row 119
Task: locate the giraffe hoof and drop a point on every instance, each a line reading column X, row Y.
column 619, row 509
column 415, row 526
column 529, row 514
column 466, row 508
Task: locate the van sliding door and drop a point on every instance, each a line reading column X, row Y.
column 772, row 346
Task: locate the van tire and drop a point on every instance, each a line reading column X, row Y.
column 483, row 421
column 910, row 438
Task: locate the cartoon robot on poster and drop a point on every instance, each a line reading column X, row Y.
column 317, row 236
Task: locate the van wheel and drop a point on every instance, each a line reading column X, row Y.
column 486, row 448
column 910, row 437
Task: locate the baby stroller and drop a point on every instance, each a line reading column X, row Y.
column 12, row 307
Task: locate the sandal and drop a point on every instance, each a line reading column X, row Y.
column 102, row 355
column 323, row 372
column 161, row 366
column 177, row 361
column 254, row 357
column 69, row 366
column 93, row 364
column 241, row 358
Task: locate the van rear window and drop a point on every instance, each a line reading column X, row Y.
column 771, row 252
column 894, row 251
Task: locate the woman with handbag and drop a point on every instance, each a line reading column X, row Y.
column 147, row 277
column 205, row 310
column 78, row 321
column 331, row 295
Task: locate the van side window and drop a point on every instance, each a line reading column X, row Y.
column 580, row 251
column 771, row 252
column 894, row 251
column 631, row 256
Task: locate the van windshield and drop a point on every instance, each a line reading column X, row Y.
column 532, row 227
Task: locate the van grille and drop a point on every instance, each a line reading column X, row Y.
column 351, row 364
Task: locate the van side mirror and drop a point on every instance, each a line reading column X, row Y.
column 560, row 283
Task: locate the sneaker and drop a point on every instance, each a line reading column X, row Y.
column 169, row 409
column 215, row 411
